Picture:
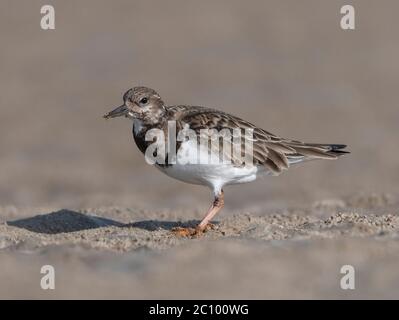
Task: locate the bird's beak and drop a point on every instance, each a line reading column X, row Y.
column 118, row 112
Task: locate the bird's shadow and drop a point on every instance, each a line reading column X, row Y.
column 153, row 225
column 65, row 221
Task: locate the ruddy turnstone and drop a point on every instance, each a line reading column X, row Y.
column 269, row 153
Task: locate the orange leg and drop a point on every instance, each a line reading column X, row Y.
column 216, row 206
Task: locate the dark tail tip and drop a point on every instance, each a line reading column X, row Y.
column 337, row 149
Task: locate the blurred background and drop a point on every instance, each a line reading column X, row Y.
column 286, row 66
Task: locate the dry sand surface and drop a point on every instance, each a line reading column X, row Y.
column 131, row 253
column 76, row 193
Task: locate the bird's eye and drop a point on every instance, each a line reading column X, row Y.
column 144, row 101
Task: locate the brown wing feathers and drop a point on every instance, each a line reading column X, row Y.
column 269, row 150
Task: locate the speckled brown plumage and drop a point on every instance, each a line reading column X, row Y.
column 269, row 150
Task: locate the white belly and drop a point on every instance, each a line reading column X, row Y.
column 214, row 175
column 210, row 175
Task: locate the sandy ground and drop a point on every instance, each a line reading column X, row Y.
column 76, row 193
column 131, row 253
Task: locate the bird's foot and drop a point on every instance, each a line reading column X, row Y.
column 192, row 232
column 183, row 232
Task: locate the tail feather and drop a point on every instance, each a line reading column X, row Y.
column 331, row 148
column 310, row 151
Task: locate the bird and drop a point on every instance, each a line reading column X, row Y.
column 270, row 154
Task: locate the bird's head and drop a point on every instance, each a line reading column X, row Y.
column 140, row 103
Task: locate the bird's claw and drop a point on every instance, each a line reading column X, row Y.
column 192, row 232
column 183, row 232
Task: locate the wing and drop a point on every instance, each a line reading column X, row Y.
column 269, row 150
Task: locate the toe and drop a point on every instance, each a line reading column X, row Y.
column 183, row 232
